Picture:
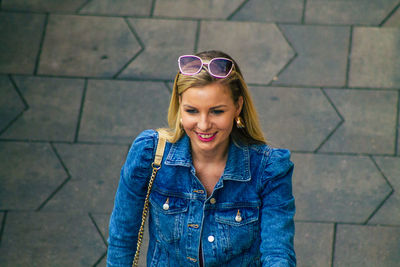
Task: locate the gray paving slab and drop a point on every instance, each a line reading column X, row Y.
column 287, row 11
column 260, row 59
column 373, row 55
column 50, row 239
column 367, row 246
column 86, row 46
column 356, row 12
column 164, row 41
column 313, row 244
column 117, row 111
column 394, row 19
column 210, row 9
column 296, row 118
column 30, row 173
column 118, row 7
column 53, row 109
column 369, row 121
column 94, row 171
column 42, row 5
column 10, row 103
column 398, row 130
column 389, row 213
column 20, row 36
column 337, row 188
column 321, row 55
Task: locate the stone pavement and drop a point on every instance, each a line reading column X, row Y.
column 80, row 79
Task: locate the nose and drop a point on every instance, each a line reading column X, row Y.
column 204, row 123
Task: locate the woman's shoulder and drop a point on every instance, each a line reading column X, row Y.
column 273, row 160
column 149, row 134
column 144, row 142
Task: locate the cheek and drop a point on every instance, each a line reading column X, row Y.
column 188, row 122
column 225, row 123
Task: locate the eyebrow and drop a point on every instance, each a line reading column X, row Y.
column 216, row 107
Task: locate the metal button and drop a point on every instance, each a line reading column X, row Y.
column 213, row 201
column 165, row 206
column 210, row 238
column 238, row 218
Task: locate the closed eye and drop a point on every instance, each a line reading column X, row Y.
column 191, row 110
column 217, row 111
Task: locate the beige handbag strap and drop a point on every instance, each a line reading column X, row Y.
column 156, row 165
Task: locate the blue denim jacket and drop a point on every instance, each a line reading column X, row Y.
column 247, row 220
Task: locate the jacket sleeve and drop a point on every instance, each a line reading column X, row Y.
column 129, row 199
column 277, row 211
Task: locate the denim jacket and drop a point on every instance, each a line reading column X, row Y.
column 246, row 221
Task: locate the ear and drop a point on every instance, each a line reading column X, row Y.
column 239, row 105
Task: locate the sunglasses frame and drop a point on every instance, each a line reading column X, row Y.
column 206, row 64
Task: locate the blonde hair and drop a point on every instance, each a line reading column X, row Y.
column 250, row 134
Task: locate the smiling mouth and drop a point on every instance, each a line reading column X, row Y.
column 206, row 137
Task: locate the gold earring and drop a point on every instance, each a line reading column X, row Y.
column 239, row 122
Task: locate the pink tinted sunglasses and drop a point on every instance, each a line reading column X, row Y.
column 218, row 67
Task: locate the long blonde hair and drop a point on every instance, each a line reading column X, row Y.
column 250, row 134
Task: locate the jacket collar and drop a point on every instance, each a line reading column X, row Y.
column 237, row 165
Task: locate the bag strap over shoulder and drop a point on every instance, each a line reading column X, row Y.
column 156, row 165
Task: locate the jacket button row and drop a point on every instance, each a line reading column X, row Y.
column 210, row 238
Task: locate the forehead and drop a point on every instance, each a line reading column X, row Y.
column 212, row 93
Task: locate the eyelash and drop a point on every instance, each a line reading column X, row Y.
column 215, row 111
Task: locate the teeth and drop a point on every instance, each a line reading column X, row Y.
column 206, row 135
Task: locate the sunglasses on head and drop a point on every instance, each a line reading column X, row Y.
column 218, row 67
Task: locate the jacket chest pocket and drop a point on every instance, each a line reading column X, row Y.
column 167, row 214
column 240, row 226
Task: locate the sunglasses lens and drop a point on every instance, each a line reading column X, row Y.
column 220, row 67
column 190, row 65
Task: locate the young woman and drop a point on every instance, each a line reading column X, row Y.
column 222, row 197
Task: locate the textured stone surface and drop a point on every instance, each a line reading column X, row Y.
column 271, row 11
column 29, row 174
column 53, row 109
column 321, row 55
column 259, row 60
column 94, row 171
column 394, row 19
column 372, row 58
column 337, row 188
column 164, row 42
column 50, row 239
column 42, row 5
column 356, row 12
column 313, row 244
column 20, row 35
column 196, row 9
column 10, row 103
column 389, row 213
column 361, row 246
column 117, row 111
column 398, row 129
column 296, row 118
column 86, row 46
column 118, row 7
column 369, row 121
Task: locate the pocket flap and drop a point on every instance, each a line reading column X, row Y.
column 175, row 204
column 237, row 216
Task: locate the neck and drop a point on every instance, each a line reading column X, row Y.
column 220, row 154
